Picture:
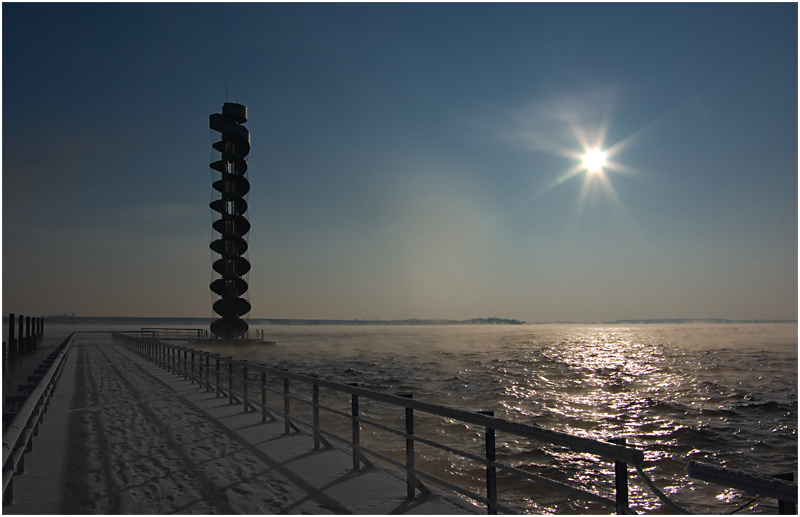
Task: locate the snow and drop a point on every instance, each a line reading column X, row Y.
column 125, row 436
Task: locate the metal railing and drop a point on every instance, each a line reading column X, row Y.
column 246, row 383
column 24, row 422
column 189, row 334
column 174, row 333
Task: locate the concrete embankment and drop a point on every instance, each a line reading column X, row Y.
column 124, row 436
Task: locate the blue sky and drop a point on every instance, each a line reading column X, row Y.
column 408, row 160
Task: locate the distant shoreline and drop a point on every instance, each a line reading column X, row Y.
column 204, row 322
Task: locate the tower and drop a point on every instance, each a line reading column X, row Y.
column 232, row 224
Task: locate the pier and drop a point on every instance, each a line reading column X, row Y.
column 120, row 423
column 123, row 435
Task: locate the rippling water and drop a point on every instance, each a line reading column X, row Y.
column 723, row 394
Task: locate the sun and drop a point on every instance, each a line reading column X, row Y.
column 594, row 160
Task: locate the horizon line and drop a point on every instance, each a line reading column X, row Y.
column 498, row 320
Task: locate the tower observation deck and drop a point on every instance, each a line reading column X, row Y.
column 232, row 224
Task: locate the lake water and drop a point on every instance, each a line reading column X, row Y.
column 725, row 394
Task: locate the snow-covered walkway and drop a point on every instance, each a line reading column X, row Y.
column 124, row 436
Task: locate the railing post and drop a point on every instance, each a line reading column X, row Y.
column 356, row 427
column 244, row 388
column 491, row 470
column 621, row 479
column 315, row 411
column 410, row 456
column 199, row 372
column 785, row 508
column 192, row 374
column 263, row 395
column 286, row 405
column 218, row 376
column 230, row 381
column 185, row 366
column 208, row 367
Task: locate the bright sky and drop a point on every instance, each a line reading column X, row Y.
column 408, row 160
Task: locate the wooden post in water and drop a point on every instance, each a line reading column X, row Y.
column 21, row 340
column 28, row 337
column 12, row 344
column 621, row 479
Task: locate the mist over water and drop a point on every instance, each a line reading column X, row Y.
column 725, row 394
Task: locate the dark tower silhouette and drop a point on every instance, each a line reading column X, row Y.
column 232, row 224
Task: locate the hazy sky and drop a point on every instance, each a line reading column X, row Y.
column 408, row 160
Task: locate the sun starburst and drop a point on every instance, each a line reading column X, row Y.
column 594, row 160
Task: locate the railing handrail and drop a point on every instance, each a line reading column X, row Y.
column 21, row 420
column 732, row 478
